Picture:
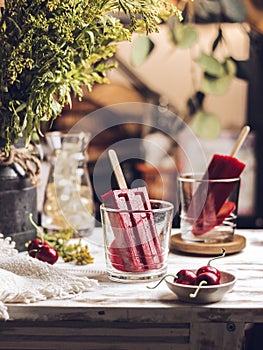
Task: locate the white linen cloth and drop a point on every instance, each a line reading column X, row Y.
column 25, row 280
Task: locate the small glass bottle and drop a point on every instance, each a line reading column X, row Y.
column 68, row 202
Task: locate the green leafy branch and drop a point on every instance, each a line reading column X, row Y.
column 217, row 74
column 52, row 48
column 216, row 79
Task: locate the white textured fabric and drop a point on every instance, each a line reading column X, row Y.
column 24, row 279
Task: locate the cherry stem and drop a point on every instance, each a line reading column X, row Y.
column 217, row 257
column 168, row 275
column 33, row 250
column 38, row 228
column 194, row 295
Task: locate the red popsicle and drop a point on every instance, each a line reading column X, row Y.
column 115, row 256
column 136, row 238
column 213, row 196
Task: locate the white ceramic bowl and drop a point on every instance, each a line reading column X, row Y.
column 206, row 294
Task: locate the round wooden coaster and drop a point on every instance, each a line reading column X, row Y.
column 177, row 244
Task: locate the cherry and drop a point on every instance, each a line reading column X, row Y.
column 40, row 249
column 205, row 275
column 47, row 254
column 210, row 269
column 209, row 277
column 204, row 279
column 33, row 247
column 187, row 277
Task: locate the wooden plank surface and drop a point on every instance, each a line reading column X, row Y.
column 120, row 316
column 92, row 335
column 223, row 336
column 120, row 301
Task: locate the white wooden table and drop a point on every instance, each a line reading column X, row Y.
column 130, row 316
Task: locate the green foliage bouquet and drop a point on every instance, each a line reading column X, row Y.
column 52, row 48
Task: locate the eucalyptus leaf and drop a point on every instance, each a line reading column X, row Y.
column 215, row 86
column 230, row 67
column 141, row 49
column 184, row 35
column 211, row 65
column 206, row 125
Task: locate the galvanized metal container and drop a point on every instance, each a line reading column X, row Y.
column 18, row 198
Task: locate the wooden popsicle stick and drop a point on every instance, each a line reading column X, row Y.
column 117, row 169
column 241, row 138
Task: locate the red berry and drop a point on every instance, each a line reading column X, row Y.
column 208, row 268
column 34, row 246
column 185, row 277
column 47, row 254
column 209, row 277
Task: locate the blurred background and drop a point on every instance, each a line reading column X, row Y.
column 208, row 70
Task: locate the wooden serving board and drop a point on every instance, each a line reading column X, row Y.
column 178, row 244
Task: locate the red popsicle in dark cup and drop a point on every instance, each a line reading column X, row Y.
column 210, row 204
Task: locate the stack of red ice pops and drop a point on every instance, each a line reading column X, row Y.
column 136, row 246
column 214, row 195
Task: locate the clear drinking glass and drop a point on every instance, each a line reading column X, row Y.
column 208, row 208
column 137, row 241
